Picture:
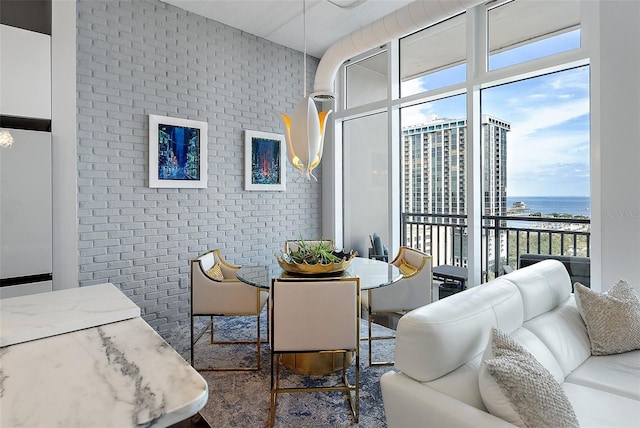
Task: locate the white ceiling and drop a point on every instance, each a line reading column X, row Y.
column 281, row 21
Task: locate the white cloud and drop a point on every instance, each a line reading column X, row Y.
column 417, row 114
column 535, row 118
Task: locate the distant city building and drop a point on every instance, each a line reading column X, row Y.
column 434, row 180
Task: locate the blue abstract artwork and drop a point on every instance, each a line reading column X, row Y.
column 265, row 161
column 178, row 153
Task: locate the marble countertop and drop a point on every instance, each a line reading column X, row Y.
column 47, row 314
column 118, row 374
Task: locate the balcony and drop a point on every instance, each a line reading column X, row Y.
column 504, row 238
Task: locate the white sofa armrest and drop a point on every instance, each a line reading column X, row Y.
column 411, row 404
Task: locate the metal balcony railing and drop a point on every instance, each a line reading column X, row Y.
column 504, row 238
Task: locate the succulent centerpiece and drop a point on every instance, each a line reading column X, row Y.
column 313, row 258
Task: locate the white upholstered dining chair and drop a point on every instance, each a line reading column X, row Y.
column 414, row 290
column 216, row 291
column 330, row 324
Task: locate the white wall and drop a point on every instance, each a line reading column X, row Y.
column 63, row 140
column 25, row 73
column 136, row 58
column 616, row 134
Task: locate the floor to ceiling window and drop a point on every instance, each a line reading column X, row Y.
column 535, row 149
column 366, row 190
column 434, row 58
column 365, row 154
column 525, row 86
column 366, row 80
column 433, row 178
column 520, row 31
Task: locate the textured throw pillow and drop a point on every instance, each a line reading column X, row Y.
column 612, row 318
column 406, row 268
column 515, row 387
column 216, row 273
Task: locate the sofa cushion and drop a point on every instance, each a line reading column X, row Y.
column 595, row 408
column 564, row 333
column 539, row 350
column 578, row 268
column 618, row 374
column 612, row 318
column 516, row 387
column 424, row 346
column 543, row 286
column 461, row 384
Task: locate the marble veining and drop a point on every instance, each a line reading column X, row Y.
column 46, row 314
column 121, row 374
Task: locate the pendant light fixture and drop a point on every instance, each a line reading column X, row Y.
column 304, row 130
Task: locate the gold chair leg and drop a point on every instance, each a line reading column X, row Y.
column 357, row 387
column 275, row 376
column 352, row 391
column 258, row 341
column 212, row 341
column 370, row 339
column 211, row 324
column 198, row 336
column 268, row 319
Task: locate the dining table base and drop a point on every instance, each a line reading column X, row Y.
column 317, row 363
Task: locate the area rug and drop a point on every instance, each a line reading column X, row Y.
column 241, row 399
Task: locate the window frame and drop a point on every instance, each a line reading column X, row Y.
column 479, row 77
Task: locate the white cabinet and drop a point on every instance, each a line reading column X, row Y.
column 25, row 73
column 25, row 212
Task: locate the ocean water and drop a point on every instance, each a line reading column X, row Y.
column 574, row 205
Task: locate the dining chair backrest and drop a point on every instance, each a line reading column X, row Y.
column 413, row 290
column 315, row 315
column 216, row 291
column 221, row 297
column 294, row 245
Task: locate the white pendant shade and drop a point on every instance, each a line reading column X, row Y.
column 304, row 132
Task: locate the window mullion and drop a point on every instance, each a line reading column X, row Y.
column 476, row 69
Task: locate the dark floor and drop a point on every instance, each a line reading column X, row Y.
column 195, row 421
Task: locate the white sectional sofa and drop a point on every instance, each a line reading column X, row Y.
column 439, row 348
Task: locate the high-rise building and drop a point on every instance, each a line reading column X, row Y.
column 434, row 180
column 494, row 165
column 434, row 166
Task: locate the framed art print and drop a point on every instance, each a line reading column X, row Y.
column 264, row 161
column 177, row 152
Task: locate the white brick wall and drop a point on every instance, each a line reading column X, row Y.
column 137, row 58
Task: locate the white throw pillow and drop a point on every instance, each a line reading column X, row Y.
column 515, row 387
column 612, row 318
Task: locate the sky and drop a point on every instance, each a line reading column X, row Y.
column 548, row 146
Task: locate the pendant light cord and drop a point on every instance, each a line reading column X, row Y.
column 304, row 38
